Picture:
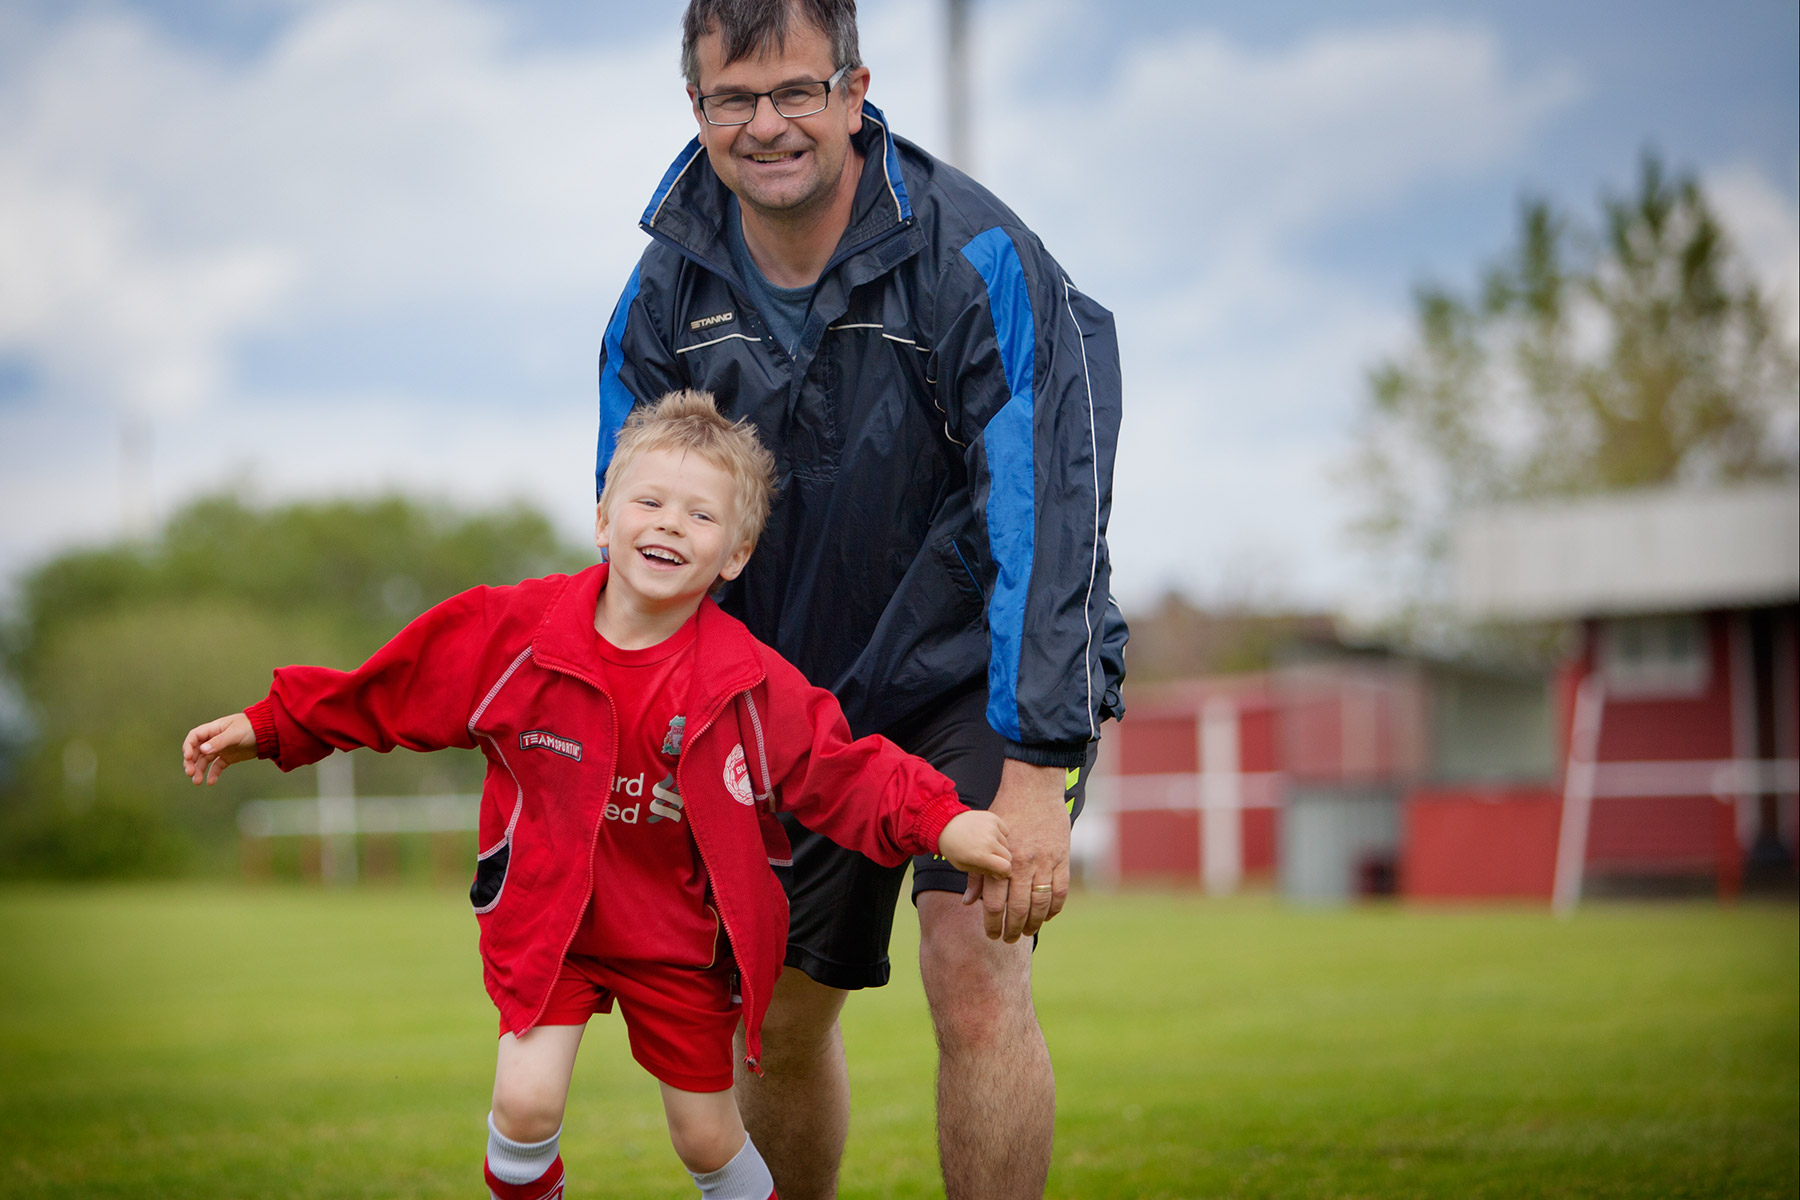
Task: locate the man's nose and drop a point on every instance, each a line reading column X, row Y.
column 765, row 123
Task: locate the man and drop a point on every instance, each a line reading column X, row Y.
column 943, row 408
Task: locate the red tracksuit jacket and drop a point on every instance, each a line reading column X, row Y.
column 511, row 670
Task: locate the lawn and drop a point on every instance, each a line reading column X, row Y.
column 191, row 1041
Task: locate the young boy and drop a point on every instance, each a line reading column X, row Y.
column 639, row 742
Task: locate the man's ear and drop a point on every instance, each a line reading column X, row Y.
column 858, row 87
column 694, row 100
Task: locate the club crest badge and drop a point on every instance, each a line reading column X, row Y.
column 737, row 777
column 672, row 740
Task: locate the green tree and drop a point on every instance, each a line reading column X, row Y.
column 1591, row 358
column 117, row 651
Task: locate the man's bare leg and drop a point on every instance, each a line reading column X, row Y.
column 798, row 1111
column 996, row 1091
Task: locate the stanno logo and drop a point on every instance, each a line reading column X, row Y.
column 533, row 739
column 709, row 322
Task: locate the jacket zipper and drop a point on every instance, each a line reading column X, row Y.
column 593, row 844
column 594, row 841
column 744, row 983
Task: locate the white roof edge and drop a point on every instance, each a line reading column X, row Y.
column 1651, row 550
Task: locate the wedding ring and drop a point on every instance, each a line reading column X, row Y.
column 1042, row 887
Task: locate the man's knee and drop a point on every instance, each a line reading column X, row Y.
column 801, row 1023
column 975, row 986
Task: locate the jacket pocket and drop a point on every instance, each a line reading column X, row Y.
column 962, row 573
column 490, row 876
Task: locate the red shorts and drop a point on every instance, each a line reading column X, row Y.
column 680, row 1019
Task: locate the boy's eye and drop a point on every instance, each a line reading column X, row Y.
column 700, row 516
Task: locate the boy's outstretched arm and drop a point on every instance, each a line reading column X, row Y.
column 208, row 749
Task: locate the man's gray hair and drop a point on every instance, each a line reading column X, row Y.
column 750, row 27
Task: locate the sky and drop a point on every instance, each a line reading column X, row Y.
column 309, row 247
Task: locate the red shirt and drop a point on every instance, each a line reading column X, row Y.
column 651, row 898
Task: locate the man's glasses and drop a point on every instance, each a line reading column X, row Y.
column 791, row 101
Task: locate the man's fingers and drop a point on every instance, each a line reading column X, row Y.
column 1018, row 906
column 993, row 906
column 1059, row 890
column 1041, row 898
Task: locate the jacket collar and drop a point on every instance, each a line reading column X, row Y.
column 688, row 207
column 725, row 652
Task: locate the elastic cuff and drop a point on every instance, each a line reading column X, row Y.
column 262, row 720
column 519, row 1162
column 929, row 825
column 1048, row 754
column 745, row 1175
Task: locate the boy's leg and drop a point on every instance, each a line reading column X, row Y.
column 531, row 1089
column 709, row 1136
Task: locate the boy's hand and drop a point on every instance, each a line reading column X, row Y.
column 976, row 842
column 208, row 749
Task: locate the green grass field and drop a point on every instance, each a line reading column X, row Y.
column 189, row 1041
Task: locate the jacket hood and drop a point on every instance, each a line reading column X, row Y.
column 689, row 206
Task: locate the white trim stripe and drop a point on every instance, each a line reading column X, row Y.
column 1087, row 658
column 892, row 337
column 703, row 345
column 887, row 141
column 670, row 190
column 498, row 684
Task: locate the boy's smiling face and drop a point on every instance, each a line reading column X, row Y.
column 673, row 532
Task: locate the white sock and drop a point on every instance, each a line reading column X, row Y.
column 518, row 1162
column 745, row 1177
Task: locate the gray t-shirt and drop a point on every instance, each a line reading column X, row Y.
column 783, row 308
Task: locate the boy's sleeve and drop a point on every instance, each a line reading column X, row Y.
column 865, row 794
column 1028, row 377
column 418, row 691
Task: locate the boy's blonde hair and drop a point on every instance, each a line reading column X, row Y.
column 690, row 420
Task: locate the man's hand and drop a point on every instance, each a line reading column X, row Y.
column 208, row 749
column 1030, row 801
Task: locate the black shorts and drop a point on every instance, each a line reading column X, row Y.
column 841, row 904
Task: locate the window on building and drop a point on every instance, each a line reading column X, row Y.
column 1655, row 656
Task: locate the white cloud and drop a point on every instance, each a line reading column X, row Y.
column 1763, row 222
column 395, row 161
column 380, row 154
column 1197, row 149
column 1186, row 191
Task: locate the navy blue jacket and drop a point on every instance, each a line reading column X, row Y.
column 943, row 435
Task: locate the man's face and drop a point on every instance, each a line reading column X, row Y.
column 785, row 169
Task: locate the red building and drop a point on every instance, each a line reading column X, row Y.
column 1214, row 781
column 1664, row 752
column 1678, row 707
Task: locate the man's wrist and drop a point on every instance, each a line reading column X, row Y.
column 1048, row 754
